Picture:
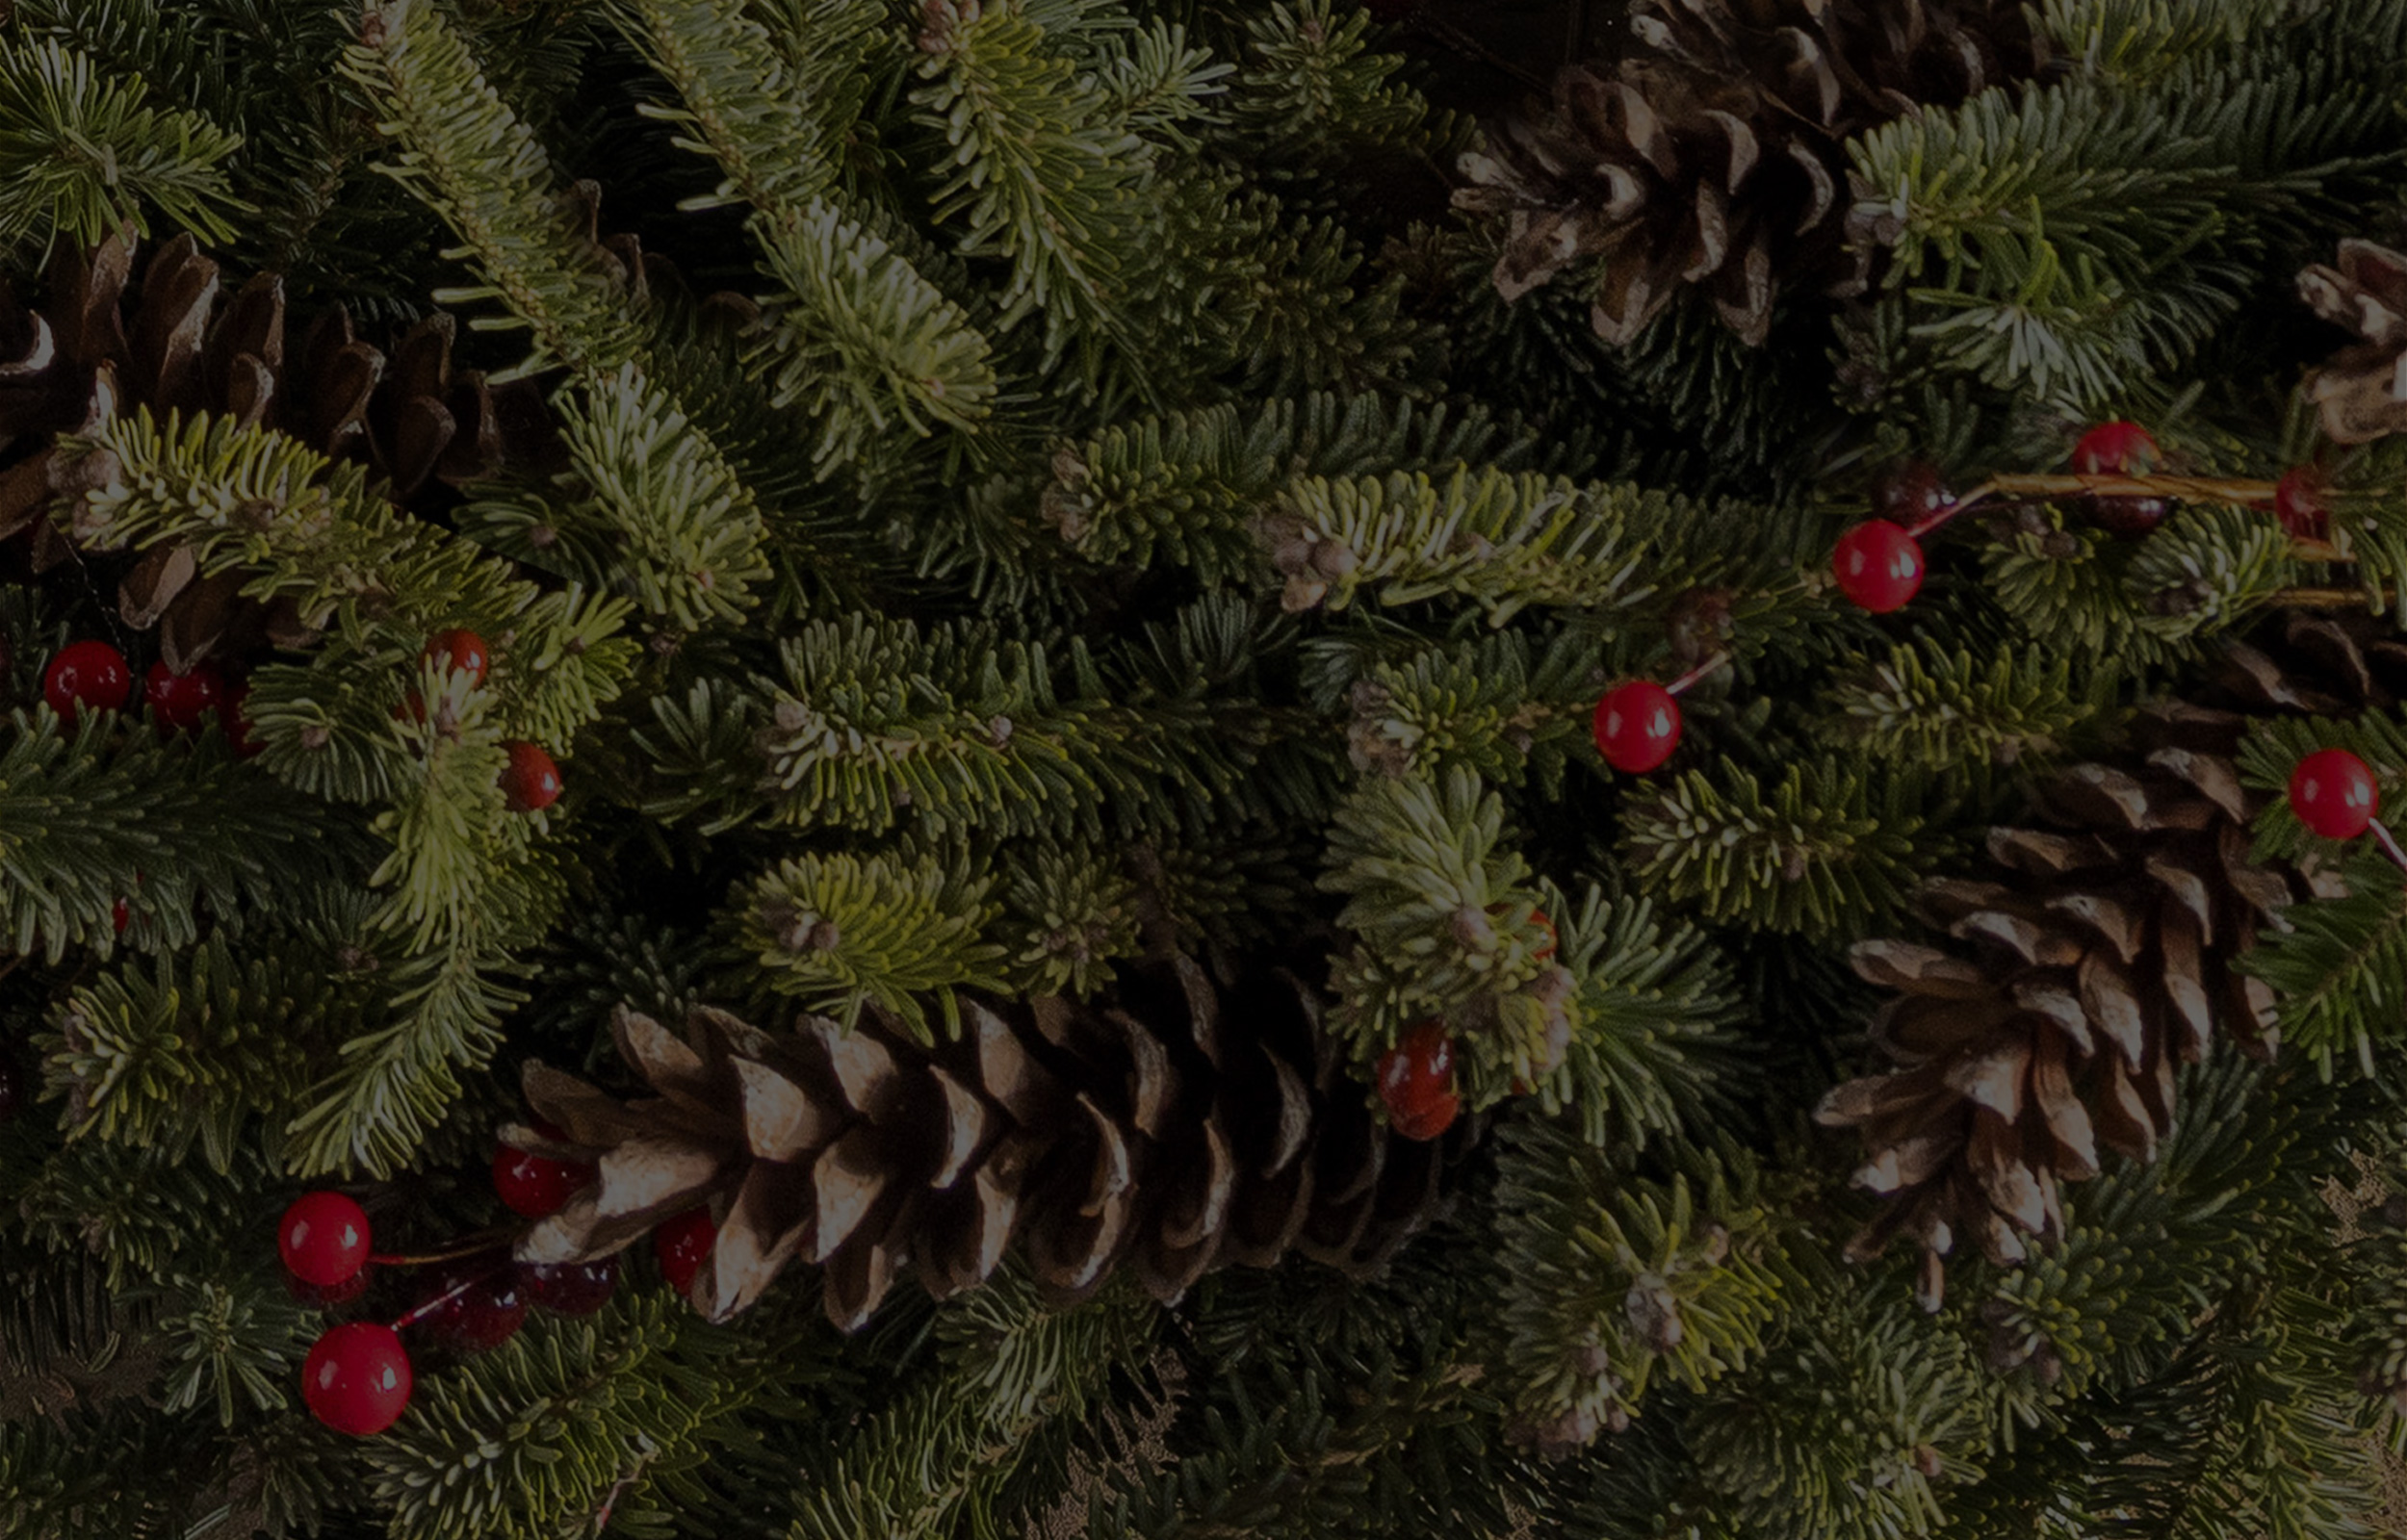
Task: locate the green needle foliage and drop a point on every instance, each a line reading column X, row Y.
column 994, row 498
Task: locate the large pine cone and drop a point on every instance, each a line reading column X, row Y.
column 1712, row 152
column 2361, row 392
column 1175, row 1130
column 409, row 416
column 2098, row 964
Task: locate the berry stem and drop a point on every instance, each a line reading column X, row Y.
column 430, row 1306
column 1695, row 675
column 2389, row 842
column 2192, row 488
column 2320, row 598
column 469, row 1247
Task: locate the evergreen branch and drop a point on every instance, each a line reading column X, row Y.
column 1447, row 927
column 1043, row 170
column 1654, row 1007
column 105, row 815
column 1828, row 851
column 2147, row 600
column 843, row 933
column 1607, row 1283
column 681, row 532
column 82, row 153
column 1959, row 714
column 1501, row 541
column 193, row 1047
column 1185, row 487
column 858, row 340
column 575, row 1423
column 468, row 157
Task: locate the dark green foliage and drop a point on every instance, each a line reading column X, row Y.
column 1030, row 485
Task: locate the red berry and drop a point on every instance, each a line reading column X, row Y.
column 235, row 717
column 2332, row 793
column 121, row 916
column 357, row 1380
column 533, row 781
column 1912, row 492
column 324, row 1239
column 458, row 652
column 473, row 1307
column 1416, row 1080
column 179, row 701
column 87, row 674
column 1636, row 726
column 1879, row 566
column 681, row 1243
column 536, row 1185
column 2298, row 503
column 2115, row 449
column 570, row 1288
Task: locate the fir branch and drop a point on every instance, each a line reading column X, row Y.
column 1608, row 1283
column 1044, row 171
column 463, row 152
column 843, row 933
column 1829, row 851
column 82, row 152
column 1501, row 541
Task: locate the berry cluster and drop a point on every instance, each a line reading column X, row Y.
column 92, row 675
column 1878, row 564
column 358, row 1375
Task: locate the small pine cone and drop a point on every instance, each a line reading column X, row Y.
column 1713, row 151
column 1178, row 1128
column 2097, row 966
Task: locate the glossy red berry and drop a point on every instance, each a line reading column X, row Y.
column 570, row 1288
column 536, row 1185
column 532, row 782
column 121, row 916
column 2115, row 449
column 682, row 1242
column 2299, row 501
column 459, row 651
column 2332, row 793
column 86, row 675
column 1912, row 492
column 324, row 1239
column 1879, row 566
column 1416, row 1080
column 178, row 701
column 357, row 1380
column 1636, row 726
column 473, row 1307
column 235, row 716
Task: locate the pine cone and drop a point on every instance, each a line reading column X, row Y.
column 1713, row 151
column 2092, row 973
column 2098, row 964
column 2360, row 394
column 1175, row 1130
column 410, row 417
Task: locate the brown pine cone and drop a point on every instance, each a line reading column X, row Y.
column 1178, row 1128
column 1713, row 150
column 2098, row 966
column 2098, row 962
column 180, row 346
